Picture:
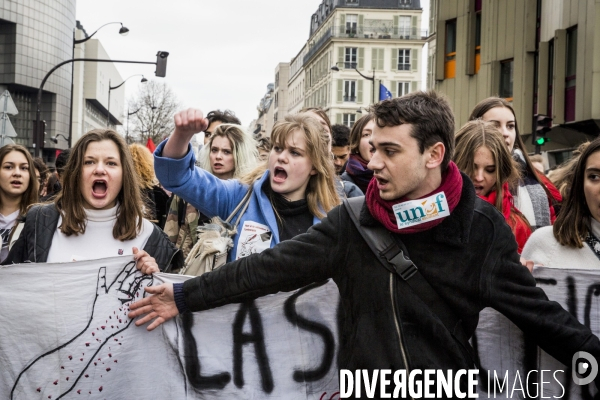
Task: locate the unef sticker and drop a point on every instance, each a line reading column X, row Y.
column 254, row 238
column 415, row 212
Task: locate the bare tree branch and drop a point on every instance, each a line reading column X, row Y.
column 157, row 104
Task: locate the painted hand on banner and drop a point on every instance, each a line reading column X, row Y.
column 77, row 365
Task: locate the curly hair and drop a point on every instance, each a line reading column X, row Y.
column 144, row 165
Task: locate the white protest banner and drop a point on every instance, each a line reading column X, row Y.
column 64, row 334
column 512, row 366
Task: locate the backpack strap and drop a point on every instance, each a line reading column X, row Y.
column 393, row 255
column 243, row 205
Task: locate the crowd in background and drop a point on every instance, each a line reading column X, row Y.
column 103, row 189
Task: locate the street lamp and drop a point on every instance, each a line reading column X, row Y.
column 359, row 111
column 369, row 78
column 161, row 68
column 55, row 138
column 144, row 80
column 123, row 31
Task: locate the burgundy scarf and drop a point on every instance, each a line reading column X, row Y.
column 358, row 171
column 382, row 209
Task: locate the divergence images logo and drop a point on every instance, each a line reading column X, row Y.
column 584, row 368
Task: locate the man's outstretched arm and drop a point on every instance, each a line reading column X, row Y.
column 311, row 257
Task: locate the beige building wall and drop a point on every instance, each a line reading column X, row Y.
column 296, row 83
column 280, row 106
column 508, row 31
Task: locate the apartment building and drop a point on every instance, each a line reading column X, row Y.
column 367, row 43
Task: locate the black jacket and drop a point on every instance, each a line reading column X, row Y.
column 470, row 259
column 41, row 222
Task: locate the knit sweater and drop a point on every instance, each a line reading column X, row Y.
column 543, row 248
column 97, row 241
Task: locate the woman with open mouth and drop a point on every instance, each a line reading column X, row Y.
column 97, row 214
column 482, row 155
column 292, row 191
column 536, row 197
column 18, row 189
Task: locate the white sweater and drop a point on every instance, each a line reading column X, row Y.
column 543, row 248
column 97, row 241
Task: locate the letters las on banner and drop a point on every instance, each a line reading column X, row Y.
column 64, row 332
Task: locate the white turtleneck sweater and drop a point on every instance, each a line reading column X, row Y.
column 97, row 241
column 543, row 248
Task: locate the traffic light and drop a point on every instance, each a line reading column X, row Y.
column 543, row 125
column 161, row 63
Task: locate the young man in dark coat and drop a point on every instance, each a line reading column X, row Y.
column 461, row 245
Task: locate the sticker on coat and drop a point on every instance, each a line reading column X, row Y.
column 254, row 238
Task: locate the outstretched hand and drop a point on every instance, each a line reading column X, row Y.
column 160, row 307
column 187, row 124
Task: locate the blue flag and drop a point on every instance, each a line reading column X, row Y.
column 384, row 92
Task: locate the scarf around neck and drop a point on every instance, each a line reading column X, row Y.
column 357, row 169
column 382, row 210
column 512, row 215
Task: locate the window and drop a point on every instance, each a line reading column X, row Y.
column 477, row 35
column 506, row 79
column 349, row 90
column 571, row 74
column 404, row 25
column 349, row 119
column 404, row 3
column 351, row 1
column 350, row 57
column 450, row 51
column 403, row 88
column 404, row 60
column 351, row 21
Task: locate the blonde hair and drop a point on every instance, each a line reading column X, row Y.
column 321, row 194
column 144, row 165
column 475, row 135
column 243, row 147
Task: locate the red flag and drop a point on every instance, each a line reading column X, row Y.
column 150, row 145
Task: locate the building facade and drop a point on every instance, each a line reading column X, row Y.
column 34, row 37
column 541, row 55
column 91, row 83
column 368, row 43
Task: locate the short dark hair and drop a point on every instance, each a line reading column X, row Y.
column 340, row 135
column 225, row 117
column 356, row 132
column 61, row 160
column 428, row 112
column 39, row 164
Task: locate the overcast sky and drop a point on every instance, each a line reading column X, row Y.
column 223, row 53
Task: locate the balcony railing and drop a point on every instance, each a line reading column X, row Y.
column 350, row 98
column 379, row 32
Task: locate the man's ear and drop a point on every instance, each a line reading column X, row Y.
column 435, row 155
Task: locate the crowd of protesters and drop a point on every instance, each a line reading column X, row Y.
column 106, row 191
